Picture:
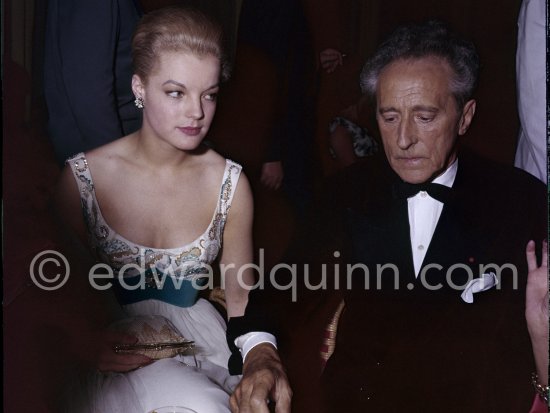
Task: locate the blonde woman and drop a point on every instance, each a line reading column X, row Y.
column 160, row 200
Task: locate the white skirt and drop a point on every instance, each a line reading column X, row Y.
column 204, row 387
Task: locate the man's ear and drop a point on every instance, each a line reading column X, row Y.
column 466, row 117
column 138, row 87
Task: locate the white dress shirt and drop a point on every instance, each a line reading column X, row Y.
column 424, row 213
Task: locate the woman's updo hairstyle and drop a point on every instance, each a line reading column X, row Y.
column 176, row 29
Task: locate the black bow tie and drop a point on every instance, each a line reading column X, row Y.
column 406, row 190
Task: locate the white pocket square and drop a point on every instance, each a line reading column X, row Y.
column 483, row 283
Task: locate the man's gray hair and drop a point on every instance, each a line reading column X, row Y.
column 415, row 41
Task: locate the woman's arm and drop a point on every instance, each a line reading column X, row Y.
column 68, row 209
column 263, row 374
column 237, row 250
column 93, row 347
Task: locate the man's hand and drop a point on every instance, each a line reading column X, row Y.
column 272, row 174
column 263, row 379
column 536, row 307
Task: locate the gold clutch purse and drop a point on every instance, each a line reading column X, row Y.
column 157, row 337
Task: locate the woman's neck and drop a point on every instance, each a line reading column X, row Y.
column 156, row 153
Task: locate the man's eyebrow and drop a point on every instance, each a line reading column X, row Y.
column 388, row 109
column 424, row 108
column 417, row 108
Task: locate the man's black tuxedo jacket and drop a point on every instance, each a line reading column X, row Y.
column 413, row 349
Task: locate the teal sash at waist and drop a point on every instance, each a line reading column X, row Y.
column 180, row 292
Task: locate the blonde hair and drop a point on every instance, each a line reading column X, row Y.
column 176, row 29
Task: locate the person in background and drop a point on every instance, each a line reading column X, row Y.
column 349, row 138
column 88, row 72
column 531, row 153
column 278, row 31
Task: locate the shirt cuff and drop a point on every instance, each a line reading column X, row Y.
column 248, row 341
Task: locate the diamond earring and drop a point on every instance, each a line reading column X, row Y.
column 139, row 102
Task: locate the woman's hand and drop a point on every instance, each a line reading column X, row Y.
column 536, row 307
column 97, row 349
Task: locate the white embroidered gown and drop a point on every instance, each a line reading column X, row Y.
column 175, row 381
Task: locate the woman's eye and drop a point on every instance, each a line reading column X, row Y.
column 211, row 96
column 175, row 94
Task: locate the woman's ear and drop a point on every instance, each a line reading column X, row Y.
column 466, row 117
column 138, row 87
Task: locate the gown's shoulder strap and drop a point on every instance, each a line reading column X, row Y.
column 82, row 175
column 229, row 185
column 90, row 208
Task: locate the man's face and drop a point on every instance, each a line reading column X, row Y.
column 418, row 117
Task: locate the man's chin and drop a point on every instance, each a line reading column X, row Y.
column 414, row 177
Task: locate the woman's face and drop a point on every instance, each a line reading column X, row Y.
column 179, row 98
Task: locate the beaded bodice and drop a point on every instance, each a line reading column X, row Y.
column 129, row 259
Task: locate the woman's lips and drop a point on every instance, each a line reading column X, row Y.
column 190, row 131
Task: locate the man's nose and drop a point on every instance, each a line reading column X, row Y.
column 406, row 134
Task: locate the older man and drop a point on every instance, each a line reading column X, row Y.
column 435, row 306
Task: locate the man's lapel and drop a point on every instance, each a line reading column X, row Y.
column 461, row 236
column 381, row 237
column 400, row 238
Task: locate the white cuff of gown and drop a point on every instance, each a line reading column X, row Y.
column 248, row 341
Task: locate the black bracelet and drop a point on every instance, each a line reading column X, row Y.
column 541, row 389
column 238, row 326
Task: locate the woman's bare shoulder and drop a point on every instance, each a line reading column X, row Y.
column 213, row 159
column 117, row 149
column 112, row 159
column 217, row 165
column 211, row 165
